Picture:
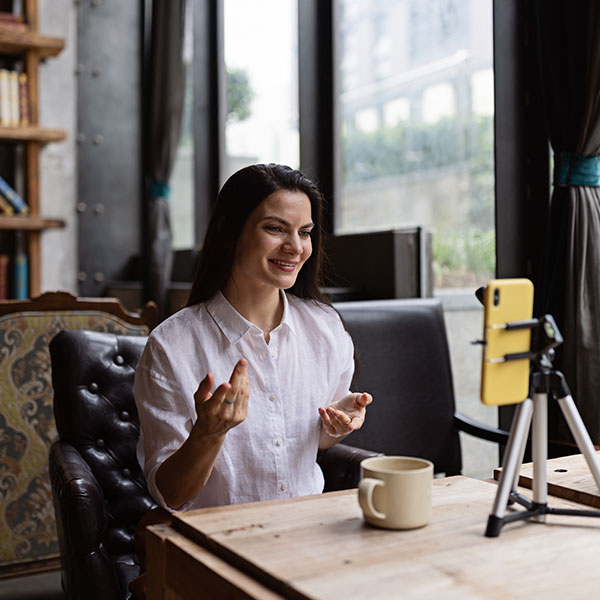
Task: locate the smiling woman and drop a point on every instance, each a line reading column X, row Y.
column 258, row 325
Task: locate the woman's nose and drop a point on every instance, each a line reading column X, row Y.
column 294, row 244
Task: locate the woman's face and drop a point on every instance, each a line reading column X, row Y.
column 274, row 242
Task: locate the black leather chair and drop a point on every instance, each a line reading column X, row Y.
column 402, row 359
column 98, row 487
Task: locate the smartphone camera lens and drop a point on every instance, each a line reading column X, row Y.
column 496, row 297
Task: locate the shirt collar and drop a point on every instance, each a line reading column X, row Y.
column 287, row 319
column 233, row 325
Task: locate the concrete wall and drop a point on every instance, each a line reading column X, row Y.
column 57, row 102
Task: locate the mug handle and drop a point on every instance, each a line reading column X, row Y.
column 365, row 497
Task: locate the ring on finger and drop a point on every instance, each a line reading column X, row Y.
column 229, row 401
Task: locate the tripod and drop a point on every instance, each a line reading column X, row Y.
column 544, row 381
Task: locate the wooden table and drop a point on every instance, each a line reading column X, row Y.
column 319, row 547
column 568, row 477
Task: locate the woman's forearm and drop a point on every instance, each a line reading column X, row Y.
column 183, row 475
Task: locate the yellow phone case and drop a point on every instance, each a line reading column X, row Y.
column 505, row 301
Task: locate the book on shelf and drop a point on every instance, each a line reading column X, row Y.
column 13, row 90
column 13, row 26
column 5, row 98
column 20, row 268
column 14, row 98
column 12, row 17
column 5, row 207
column 23, row 100
column 4, row 261
column 12, row 197
column 9, row 20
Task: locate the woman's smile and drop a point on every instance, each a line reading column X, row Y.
column 284, row 265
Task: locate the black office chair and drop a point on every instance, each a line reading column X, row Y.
column 402, row 359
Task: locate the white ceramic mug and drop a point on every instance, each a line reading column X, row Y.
column 395, row 491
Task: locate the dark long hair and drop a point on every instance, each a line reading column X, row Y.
column 238, row 197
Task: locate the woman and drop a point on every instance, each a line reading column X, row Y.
column 283, row 362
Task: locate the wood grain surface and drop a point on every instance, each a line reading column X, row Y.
column 319, row 547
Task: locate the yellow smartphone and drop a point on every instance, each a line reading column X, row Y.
column 505, row 301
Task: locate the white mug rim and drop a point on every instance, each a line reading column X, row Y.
column 427, row 465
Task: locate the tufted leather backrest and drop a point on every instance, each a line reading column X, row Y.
column 402, row 359
column 97, row 422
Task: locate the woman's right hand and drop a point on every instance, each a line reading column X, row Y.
column 226, row 407
column 181, row 476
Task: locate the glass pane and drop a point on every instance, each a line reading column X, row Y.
column 261, row 58
column 182, row 177
column 416, row 111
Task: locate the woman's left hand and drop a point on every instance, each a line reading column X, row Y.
column 345, row 415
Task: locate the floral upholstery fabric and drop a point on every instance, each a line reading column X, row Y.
column 27, row 428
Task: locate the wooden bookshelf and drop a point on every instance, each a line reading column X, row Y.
column 29, row 223
column 31, row 134
column 30, row 47
column 18, row 43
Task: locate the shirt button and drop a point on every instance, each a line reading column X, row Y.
column 273, row 354
column 283, row 487
column 279, row 442
column 272, row 397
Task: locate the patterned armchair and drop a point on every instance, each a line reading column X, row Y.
column 28, row 538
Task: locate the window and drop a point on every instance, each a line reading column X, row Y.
column 182, row 177
column 261, row 61
column 416, row 117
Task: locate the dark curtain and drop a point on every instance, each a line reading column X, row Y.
column 569, row 51
column 167, row 87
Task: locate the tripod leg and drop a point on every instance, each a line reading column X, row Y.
column 540, row 451
column 510, row 465
column 520, row 460
column 582, row 437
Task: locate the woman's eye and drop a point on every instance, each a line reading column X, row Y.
column 305, row 234
column 273, row 228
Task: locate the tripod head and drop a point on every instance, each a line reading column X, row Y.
column 545, row 337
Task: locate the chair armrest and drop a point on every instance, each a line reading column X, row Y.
column 341, row 466
column 81, row 519
column 480, row 430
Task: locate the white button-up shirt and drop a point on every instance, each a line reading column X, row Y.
column 308, row 363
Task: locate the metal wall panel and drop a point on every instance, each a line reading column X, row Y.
column 109, row 140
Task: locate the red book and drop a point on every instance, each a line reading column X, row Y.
column 4, row 276
column 9, row 20
column 10, row 17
